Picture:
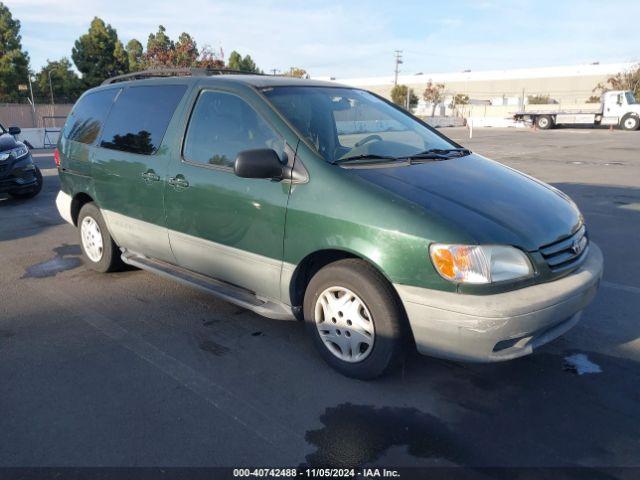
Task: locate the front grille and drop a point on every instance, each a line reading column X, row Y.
column 566, row 253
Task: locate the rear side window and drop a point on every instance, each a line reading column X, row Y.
column 87, row 117
column 221, row 126
column 139, row 118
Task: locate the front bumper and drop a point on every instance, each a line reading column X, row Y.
column 17, row 179
column 488, row 328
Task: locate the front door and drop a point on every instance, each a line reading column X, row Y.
column 221, row 225
column 614, row 104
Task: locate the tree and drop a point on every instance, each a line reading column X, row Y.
column 135, row 54
column 186, row 51
column 627, row 80
column 209, row 59
column 459, row 99
column 297, row 73
column 65, row 83
column 246, row 64
column 399, row 96
column 160, row 50
column 433, row 94
column 120, row 57
column 14, row 62
column 235, row 61
column 164, row 52
column 593, row 99
column 98, row 54
column 540, row 100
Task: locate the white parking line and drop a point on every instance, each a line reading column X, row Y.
column 618, row 286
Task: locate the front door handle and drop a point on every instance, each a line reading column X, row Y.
column 179, row 181
column 150, row 176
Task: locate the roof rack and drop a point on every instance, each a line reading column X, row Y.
column 175, row 72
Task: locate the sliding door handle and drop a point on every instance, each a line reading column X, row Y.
column 150, row 176
column 178, row 181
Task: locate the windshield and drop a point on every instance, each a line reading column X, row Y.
column 630, row 98
column 345, row 123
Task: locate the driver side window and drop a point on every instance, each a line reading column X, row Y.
column 221, row 126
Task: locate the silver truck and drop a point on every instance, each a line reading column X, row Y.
column 617, row 108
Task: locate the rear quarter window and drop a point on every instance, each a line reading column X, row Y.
column 86, row 119
column 139, row 118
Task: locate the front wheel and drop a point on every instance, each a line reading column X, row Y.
column 355, row 319
column 630, row 122
column 99, row 250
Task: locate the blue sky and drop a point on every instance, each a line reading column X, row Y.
column 357, row 38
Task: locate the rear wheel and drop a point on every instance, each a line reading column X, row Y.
column 355, row 319
column 544, row 122
column 99, row 250
column 630, row 122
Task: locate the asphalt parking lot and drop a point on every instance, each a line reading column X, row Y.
column 130, row 369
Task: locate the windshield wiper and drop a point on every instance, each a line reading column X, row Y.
column 431, row 154
column 440, row 154
column 365, row 156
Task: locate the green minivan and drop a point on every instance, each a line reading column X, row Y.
column 310, row 200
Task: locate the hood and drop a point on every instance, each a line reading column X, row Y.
column 7, row 142
column 489, row 201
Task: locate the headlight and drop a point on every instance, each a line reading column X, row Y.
column 20, row 151
column 479, row 263
column 16, row 153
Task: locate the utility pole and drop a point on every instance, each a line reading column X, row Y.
column 274, row 71
column 50, row 87
column 398, row 62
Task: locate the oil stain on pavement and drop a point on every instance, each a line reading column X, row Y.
column 571, row 419
column 355, row 435
column 67, row 257
column 214, row 348
column 6, row 334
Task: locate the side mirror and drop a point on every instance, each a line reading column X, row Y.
column 14, row 130
column 259, row 163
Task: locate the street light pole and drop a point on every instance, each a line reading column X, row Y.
column 50, row 87
column 33, row 105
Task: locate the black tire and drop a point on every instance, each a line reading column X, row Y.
column 630, row 122
column 544, row 122
column 110, row 260
column 383, row 305
column 33, row 191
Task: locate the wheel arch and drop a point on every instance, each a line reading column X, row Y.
column 629, row 115
column 315, row 261
column 79, row 200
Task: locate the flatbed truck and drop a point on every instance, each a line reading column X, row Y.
column 617, row 108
